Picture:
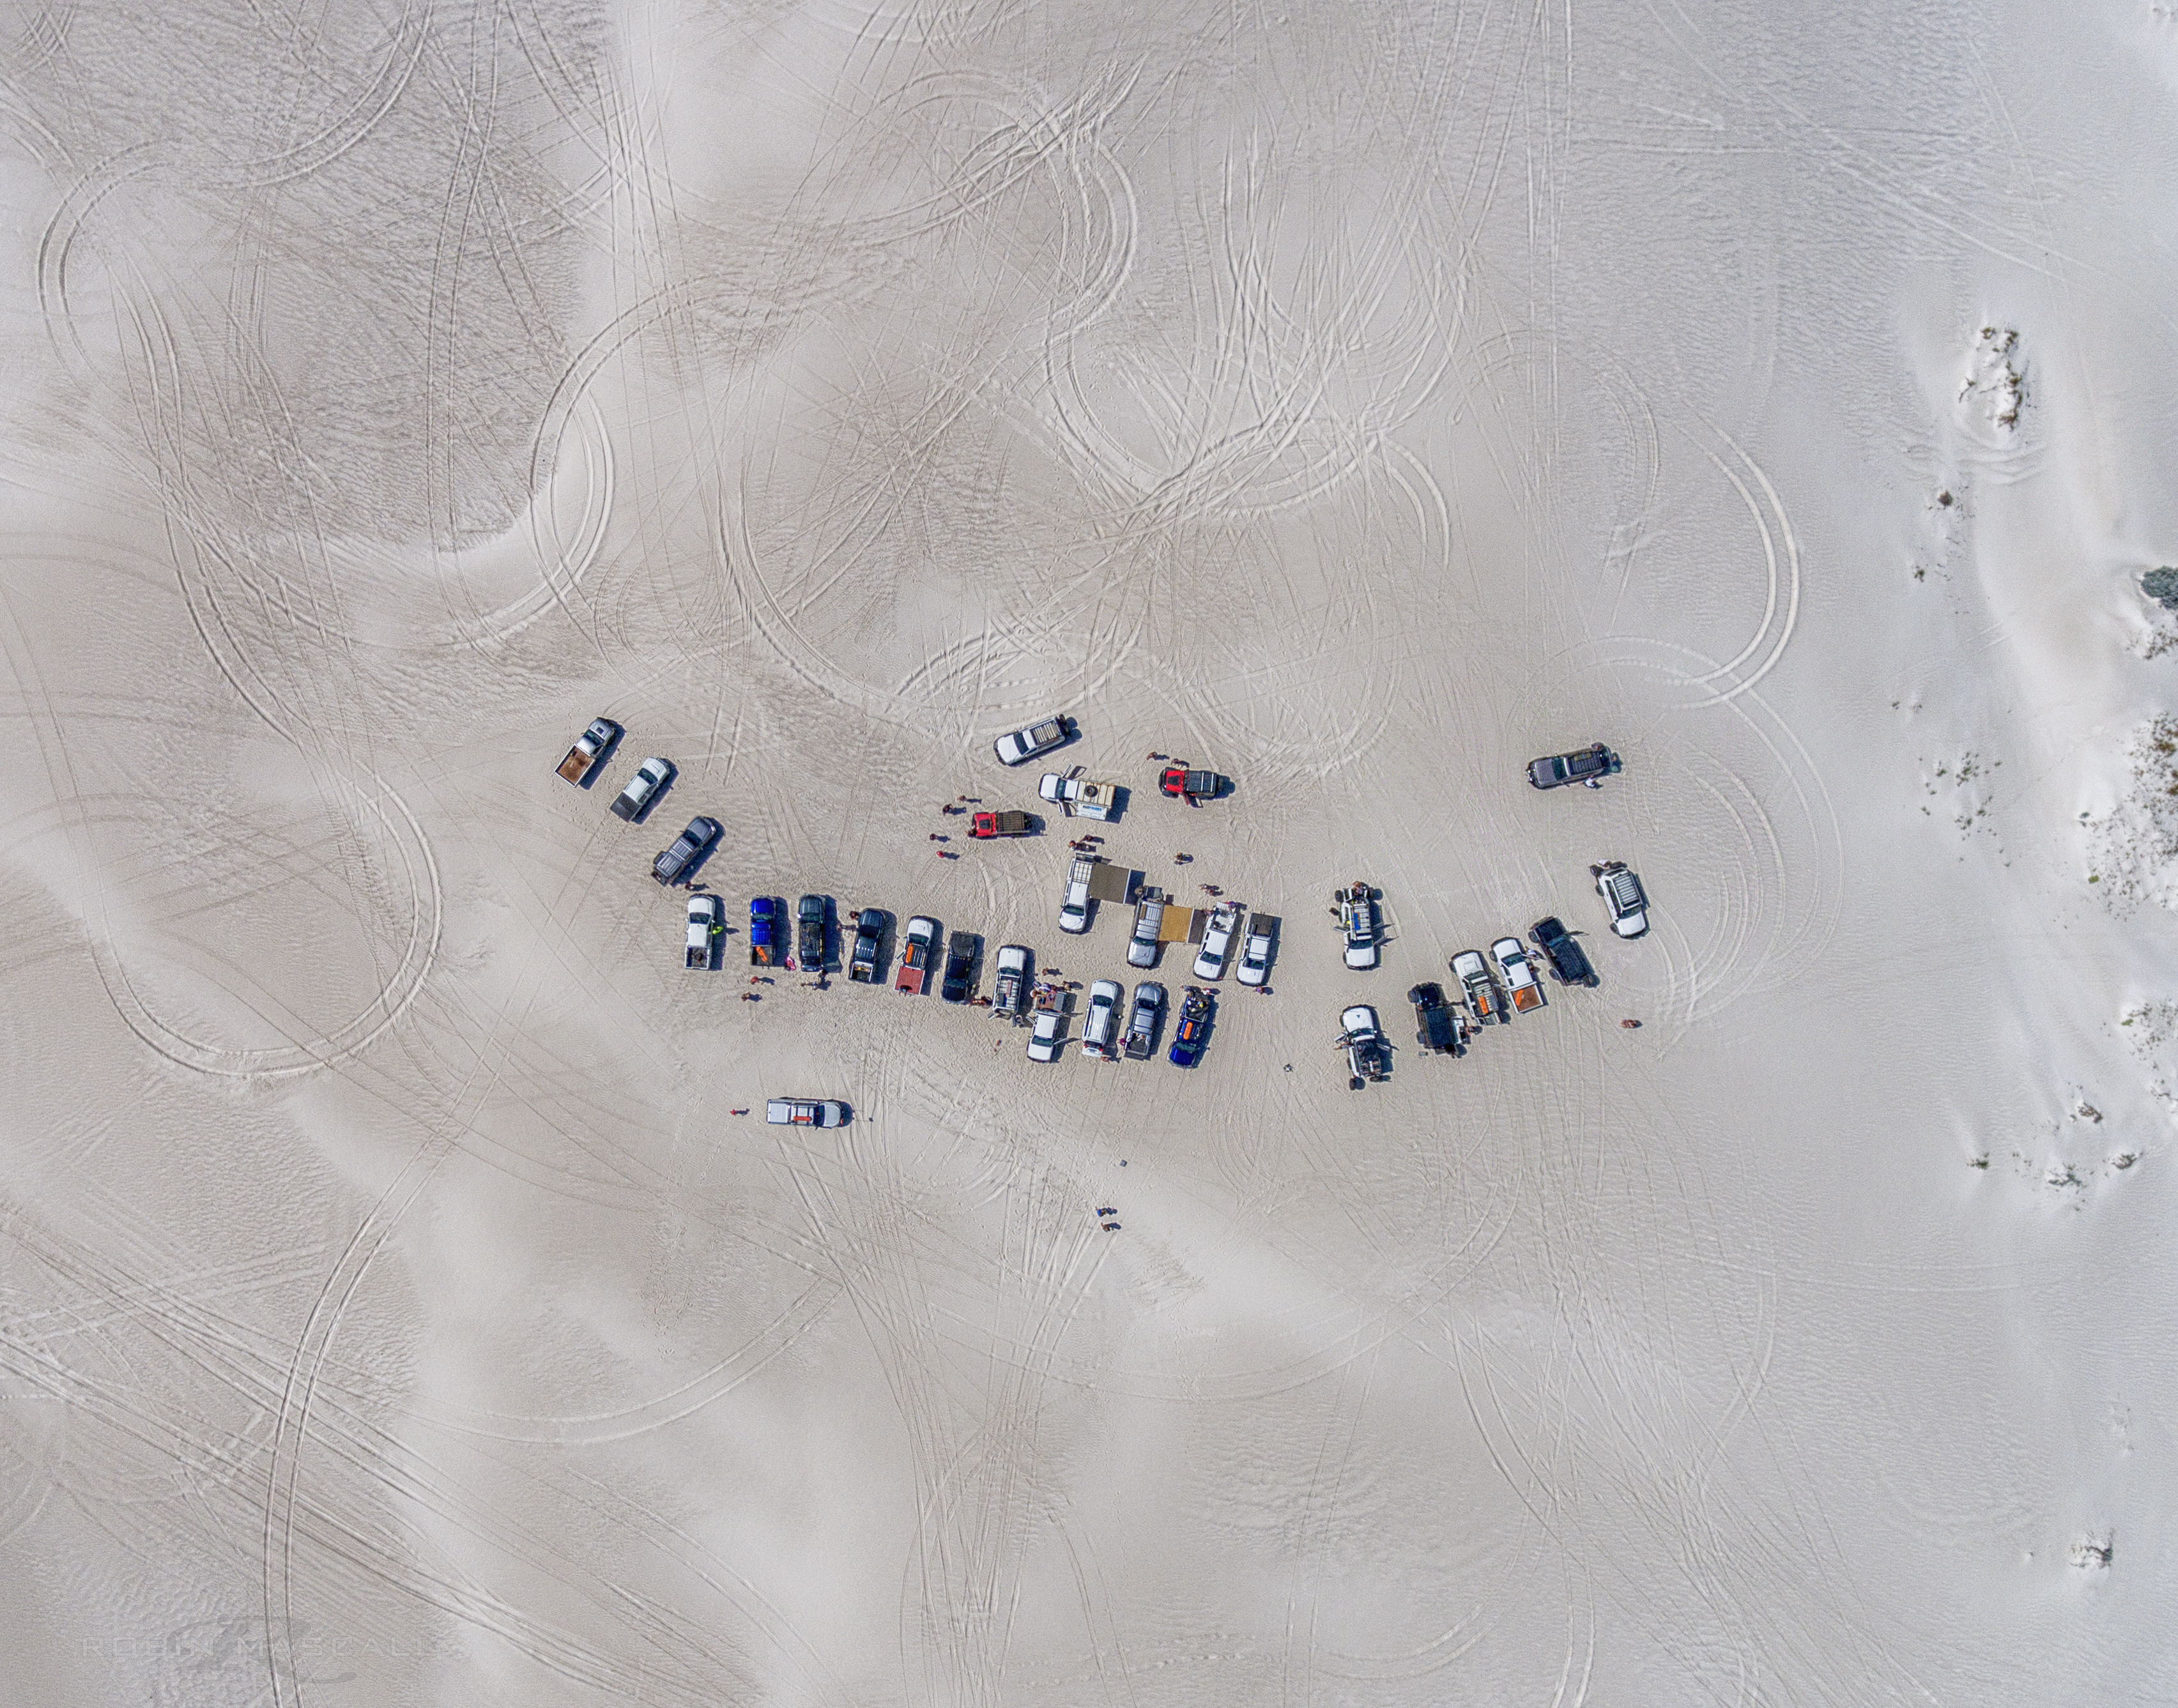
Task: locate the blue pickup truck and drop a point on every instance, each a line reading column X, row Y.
column 763, row 932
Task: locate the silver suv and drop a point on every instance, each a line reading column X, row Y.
column 1142, row 1021
column 1149, row 927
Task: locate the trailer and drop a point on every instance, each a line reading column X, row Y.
column 1079, row 796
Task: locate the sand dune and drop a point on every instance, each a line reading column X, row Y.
column 400, row 1305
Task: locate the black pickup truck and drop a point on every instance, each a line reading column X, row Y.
column 960, row 982
column 1568, row 960
column 811, row 915
column 869, row 935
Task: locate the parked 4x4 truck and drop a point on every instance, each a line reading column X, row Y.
column 1193, row 787
column 810, row 915
column 1009, row 990
column 1484, row 999
column 869, row 932
column 673, row 863
column 707, row 923
column 588, row 748
column 917, row 951
column 986, row 825
column 960, row 981
column 1090, row 880
column 1436, row 1022
column 763, row 932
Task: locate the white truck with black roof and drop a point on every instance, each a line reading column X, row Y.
column 1518, row 974
column 1484, row 999
column 1009, row 988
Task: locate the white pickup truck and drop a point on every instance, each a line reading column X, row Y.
column 588, row 747
column 1518, row 974
column 1090, row 880
column 707, row 923
column 1009, row 990
column 1483, row 1000
column 634, row 800
column 1074, row 902
column 1218, row 943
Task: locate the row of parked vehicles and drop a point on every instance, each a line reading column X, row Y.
column 1105, row 1038
column 1014, row 994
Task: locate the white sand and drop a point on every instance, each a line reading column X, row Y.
column 1360, row 400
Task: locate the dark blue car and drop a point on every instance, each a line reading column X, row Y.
column 763, row 932
column 1193, row 1031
